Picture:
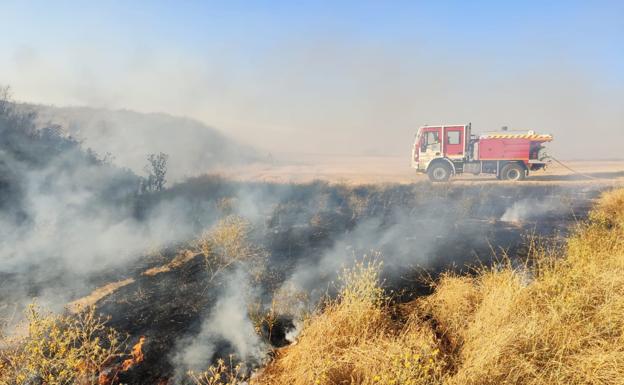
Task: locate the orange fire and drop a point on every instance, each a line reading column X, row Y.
column 107, row 377
column 137, row 355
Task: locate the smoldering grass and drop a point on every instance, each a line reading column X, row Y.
column 556, row 319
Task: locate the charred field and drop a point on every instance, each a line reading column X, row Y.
column 111, row 277
column 288, row 242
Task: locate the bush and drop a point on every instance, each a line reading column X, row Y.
column 227, row 243
column 59, row 349
column 220, row 374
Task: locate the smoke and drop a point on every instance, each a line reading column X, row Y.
column 74, row 222
column 531, row 209
column 352, row 79
column 341, row 105
column 292, row 334
column 431, row 234
column 69, row 216
column 193, row 148
column 227, row 327
column 70, row 222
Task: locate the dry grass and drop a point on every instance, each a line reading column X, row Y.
column 563, row 326
column 228, row 243
column 355, row 340
column 221, row 373
column 59, row 350
column 90, row 300
column 287, row 301
column 557, row 320
column 180, row 259
column 610, row 209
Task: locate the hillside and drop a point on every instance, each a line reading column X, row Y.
column 193, row 147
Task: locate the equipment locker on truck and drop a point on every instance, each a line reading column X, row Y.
column 445, row 150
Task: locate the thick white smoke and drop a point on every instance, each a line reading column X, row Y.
column 227, row 323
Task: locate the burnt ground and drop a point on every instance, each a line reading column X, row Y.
column 417, row 228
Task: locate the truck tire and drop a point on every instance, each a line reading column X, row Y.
column 439, row 172
column 513, row 172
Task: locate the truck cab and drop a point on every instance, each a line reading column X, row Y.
column 440, row 144
column 442, row 151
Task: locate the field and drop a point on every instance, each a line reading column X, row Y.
column 393, row 169
column 542, row 309
column 285, row 263
column 324, row 271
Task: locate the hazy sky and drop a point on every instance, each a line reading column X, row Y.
column 331, row 76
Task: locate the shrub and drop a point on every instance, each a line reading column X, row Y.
column 220, row 374
column 228, row 243
column 59, row 349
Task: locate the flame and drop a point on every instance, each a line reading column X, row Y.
column 136, row 355
column 107, row 377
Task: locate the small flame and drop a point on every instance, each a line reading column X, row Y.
column 137, row 355
column 108, row 376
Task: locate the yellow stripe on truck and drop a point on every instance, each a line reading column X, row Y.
column 518, row 136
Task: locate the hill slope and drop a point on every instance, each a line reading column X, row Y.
column 129, row 136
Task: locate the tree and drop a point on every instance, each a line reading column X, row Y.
column 156, row 170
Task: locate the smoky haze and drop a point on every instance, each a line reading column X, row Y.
column 72, row 223
column 327, row 89
column 340, row 99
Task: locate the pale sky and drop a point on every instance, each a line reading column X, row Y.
column 331, row 77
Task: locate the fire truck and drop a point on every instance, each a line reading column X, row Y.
column 445, row 150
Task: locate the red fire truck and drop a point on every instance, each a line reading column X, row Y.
column 446, row 150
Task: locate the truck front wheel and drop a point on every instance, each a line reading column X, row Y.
column 513, row 171
column 439, row 172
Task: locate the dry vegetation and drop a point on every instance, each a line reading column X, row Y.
column 228, row 243
column 354, row 339
column 59, row 349
column 559, row 319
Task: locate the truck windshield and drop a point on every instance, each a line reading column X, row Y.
column 432, row 138
column 431, row 141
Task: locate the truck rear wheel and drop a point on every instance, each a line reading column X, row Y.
column 513, row 171
column 439, row 172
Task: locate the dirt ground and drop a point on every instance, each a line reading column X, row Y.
column 351, row 169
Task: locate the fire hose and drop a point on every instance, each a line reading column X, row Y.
column 569, row 168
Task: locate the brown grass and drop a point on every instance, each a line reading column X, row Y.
column 96, row 295
column 559, row 319
column 59, row 349
column 355, row 340
column 228, row 243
